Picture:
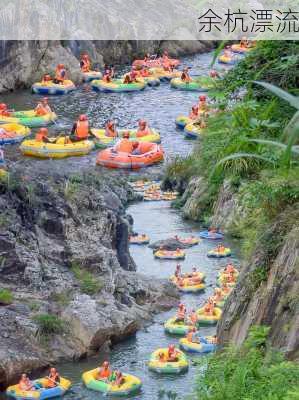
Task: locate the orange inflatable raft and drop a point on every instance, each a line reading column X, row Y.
column 148, row 154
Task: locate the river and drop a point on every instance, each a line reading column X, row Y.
column 159, row 106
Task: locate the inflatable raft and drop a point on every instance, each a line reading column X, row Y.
column 12, row 133
column 227, row 60
column 130, row 386
column 29, row 118
column 237, row 48
column 104, row 141
column 53, row 88
column 194, row 85
column 211, row 235
column 190, row 287
column 205, row 345
column 117, row 86
column 139, row 239
column 150, row 153
column 56, row 150
column 91, row 75
column 41, row 393
column 155, row 63
column 203, row 319
column 192, row 131
column 165, row 76
column 189, row 241
column 166, row 367
column 176, row 328
column 216, row 254
column 182, row 120
column 170, row 255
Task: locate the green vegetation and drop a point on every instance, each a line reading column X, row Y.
column 49, row 324
column 252, row 145
column 89, row 284
column 6, row 297
column 248, row 373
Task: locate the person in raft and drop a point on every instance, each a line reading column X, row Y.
column 209, row 307
column 230, row 269
column 42, row 136
column 118, row 378
column 172, row 353
column 110, row 129
column 220, row 248
column 214, row 74
column 194, row 113
column 46, row 78
column 43, row 107
column 144, row 72
column 227, row 52
column 185, row 77
column 143, row 128
column 193, row 336
column 192, row 318
column 85, row 63
column 202, row 103
column 4, row 112
column 124, row 145
column 60, row 74
column 181, row 313
column 53, row 379
column 25, row 384
column 80, row 130
column 104, row 372
column 131, row 77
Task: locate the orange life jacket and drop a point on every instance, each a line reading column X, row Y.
column 82, row 129
column 104, row 373
column 125, row 146
column 190, row 336
column 41, row 110
column 143, row 132
column 52, row 381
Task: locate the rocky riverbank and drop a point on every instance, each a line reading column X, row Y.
column 24, row 62
column 268, row 286
column 65, row 262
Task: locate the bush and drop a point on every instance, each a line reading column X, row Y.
column 6, row 297
column 49, row 324
column 89, row 284
column 248, row 373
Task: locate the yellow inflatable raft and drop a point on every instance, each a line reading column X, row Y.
column 60, row 149
column 131, row 384
column 13, row 133
column 176, row 328
column 170, row 255
column 29, row 118
column 139, row 239
column 106, row 141
column 204, row 319
column 166, row 367
column 41, row 392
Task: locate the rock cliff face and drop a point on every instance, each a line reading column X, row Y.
column 64, row 252
column 268, row 286
column 24, row 62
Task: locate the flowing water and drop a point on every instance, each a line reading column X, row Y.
column 159, row 106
